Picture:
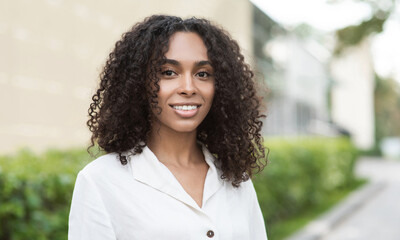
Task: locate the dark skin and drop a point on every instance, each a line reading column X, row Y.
column 186, row 81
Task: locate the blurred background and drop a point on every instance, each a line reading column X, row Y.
column 332, row 69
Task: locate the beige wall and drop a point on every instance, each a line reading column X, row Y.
column 51, row 53
column 353, row 94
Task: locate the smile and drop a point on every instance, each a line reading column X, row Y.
column 186, row 111
column 185, row 107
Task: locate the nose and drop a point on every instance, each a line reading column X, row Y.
column 187, row 85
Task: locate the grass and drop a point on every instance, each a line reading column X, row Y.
column 285, row 228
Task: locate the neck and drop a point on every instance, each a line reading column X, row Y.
column 174, row 148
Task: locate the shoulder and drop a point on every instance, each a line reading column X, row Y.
column 245, row 191
column 247, row 187
column 105, row 166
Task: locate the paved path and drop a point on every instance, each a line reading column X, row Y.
column 370, row 213
column 379, row 217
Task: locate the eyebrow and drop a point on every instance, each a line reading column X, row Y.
column 197, row 63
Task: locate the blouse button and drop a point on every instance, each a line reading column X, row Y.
column 210, row 234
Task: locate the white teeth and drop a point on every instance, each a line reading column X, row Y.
column 185, row 107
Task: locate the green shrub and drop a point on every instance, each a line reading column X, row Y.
column 35, row 193
column 300, row 172
column 36, row 190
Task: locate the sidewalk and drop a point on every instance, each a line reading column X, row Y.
column 373, row 212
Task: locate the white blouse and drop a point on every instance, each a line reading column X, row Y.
column 143, row 200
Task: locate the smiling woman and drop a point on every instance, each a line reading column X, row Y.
column 186, row 85
column 177, row 114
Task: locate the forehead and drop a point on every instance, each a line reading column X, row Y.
column 186, row 46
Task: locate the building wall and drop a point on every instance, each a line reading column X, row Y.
column 299, row 92
column 307, row 77
column 353, row 93
column 52, row 52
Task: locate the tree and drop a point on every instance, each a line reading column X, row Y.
column 353, row 35
column 387, row 108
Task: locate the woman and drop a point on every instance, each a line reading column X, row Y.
column 177, row 113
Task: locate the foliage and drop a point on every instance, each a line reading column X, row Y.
column 387, row 108
column 36, row 190
column 301, row 172
column 35, row 193
column 353, row 35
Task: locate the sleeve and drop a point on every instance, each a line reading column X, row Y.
column 88, row 217
column 257, row 225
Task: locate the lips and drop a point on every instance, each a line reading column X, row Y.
column 186, row 110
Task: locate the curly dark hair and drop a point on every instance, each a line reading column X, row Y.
column 120, row 114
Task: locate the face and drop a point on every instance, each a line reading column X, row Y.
column 186, row 84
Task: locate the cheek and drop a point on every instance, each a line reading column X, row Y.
column 164, row 92
column 209, row 92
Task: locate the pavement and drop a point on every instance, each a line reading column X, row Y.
column 371, row 212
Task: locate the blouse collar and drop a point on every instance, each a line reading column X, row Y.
column 146, row 168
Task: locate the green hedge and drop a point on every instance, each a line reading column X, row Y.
column 300, row 172
column 36, row 190
column 35, row 193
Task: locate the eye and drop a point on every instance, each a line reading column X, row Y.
column 168, row 73
column 203, row 74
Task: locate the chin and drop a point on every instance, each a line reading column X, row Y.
column 184, row 127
